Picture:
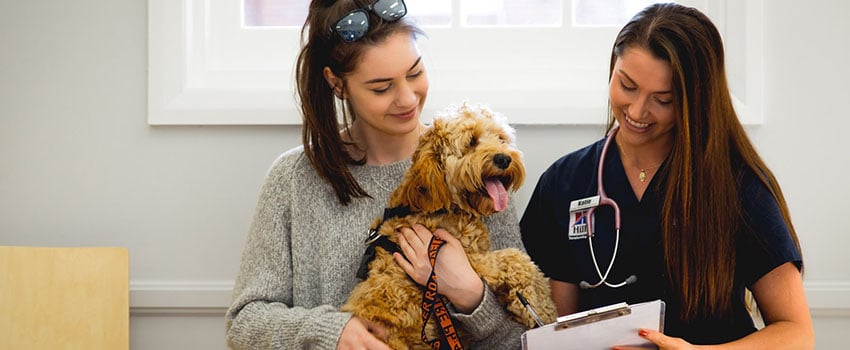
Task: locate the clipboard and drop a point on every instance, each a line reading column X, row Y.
column 599, row 328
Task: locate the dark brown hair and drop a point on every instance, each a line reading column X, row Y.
column 323, row 118
column 702, row 211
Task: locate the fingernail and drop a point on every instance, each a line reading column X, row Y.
column 643, row 333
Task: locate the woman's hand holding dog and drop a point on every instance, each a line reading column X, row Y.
column 456, row 279
column 362, row 334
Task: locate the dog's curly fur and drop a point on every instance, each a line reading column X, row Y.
column 446, row 187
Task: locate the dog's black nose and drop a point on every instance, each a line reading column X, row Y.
column 502, row 161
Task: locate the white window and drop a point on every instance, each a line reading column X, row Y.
column 536, row 61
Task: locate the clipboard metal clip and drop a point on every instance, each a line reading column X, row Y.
column 591, row 316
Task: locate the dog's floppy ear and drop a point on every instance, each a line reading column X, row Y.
column 424, row 188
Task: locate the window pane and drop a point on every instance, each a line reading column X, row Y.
column 531, row 13
column 430, row 12
column 476, row 13
column 607, row 12
column 264, row 13
column 274, row 13
column 292, row 13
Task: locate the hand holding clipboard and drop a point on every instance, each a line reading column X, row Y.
column 599, row 328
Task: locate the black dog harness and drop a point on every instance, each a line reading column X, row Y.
column 375, row 239
column 433, row 305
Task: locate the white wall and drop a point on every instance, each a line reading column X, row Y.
column 80, row 166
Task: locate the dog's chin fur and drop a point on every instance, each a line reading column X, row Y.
column 445, row 187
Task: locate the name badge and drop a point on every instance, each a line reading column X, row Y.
column 579, row 217
column 584, row 204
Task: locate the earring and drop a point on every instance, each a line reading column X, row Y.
column 338, row 93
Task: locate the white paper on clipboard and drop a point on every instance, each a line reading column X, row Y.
column 599, row 328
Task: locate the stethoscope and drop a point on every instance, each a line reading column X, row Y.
column 591, row 204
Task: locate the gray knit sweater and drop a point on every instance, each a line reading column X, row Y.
column 302, row 252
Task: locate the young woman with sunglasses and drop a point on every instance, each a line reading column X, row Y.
column 362, row 84
column 702, row 217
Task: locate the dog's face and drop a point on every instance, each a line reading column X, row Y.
column 467, row 160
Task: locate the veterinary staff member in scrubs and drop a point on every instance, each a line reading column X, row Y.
column 702, row 217
column 319, row 199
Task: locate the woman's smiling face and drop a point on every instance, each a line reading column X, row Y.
column 388, row 88
column 641, row 97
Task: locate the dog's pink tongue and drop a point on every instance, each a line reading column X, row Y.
column 497, row 192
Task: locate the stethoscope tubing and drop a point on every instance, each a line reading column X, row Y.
column 604, row 200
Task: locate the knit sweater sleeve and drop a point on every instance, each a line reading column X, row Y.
column 262, row 315
column 490, row 324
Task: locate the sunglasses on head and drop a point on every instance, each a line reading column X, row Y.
column 354, row 24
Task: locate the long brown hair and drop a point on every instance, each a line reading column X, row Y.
column 701, row 212
column 323, row 118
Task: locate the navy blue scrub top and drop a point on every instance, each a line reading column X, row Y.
column 545, row 227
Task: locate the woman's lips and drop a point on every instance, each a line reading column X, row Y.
column 636, row 125
column 406, row 115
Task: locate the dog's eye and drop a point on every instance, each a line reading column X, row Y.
column 473, row 141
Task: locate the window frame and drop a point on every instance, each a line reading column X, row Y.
column 205, row 68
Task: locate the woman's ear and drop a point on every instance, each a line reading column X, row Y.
column 334, row 82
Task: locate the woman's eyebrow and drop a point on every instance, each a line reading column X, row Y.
column 415, row 64
column 632, row 81
column 383, row 80
column 623, row 73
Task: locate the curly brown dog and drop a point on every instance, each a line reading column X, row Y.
column 462, row 170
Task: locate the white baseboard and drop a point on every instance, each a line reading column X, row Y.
column 826, row 298
column 189, row 298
